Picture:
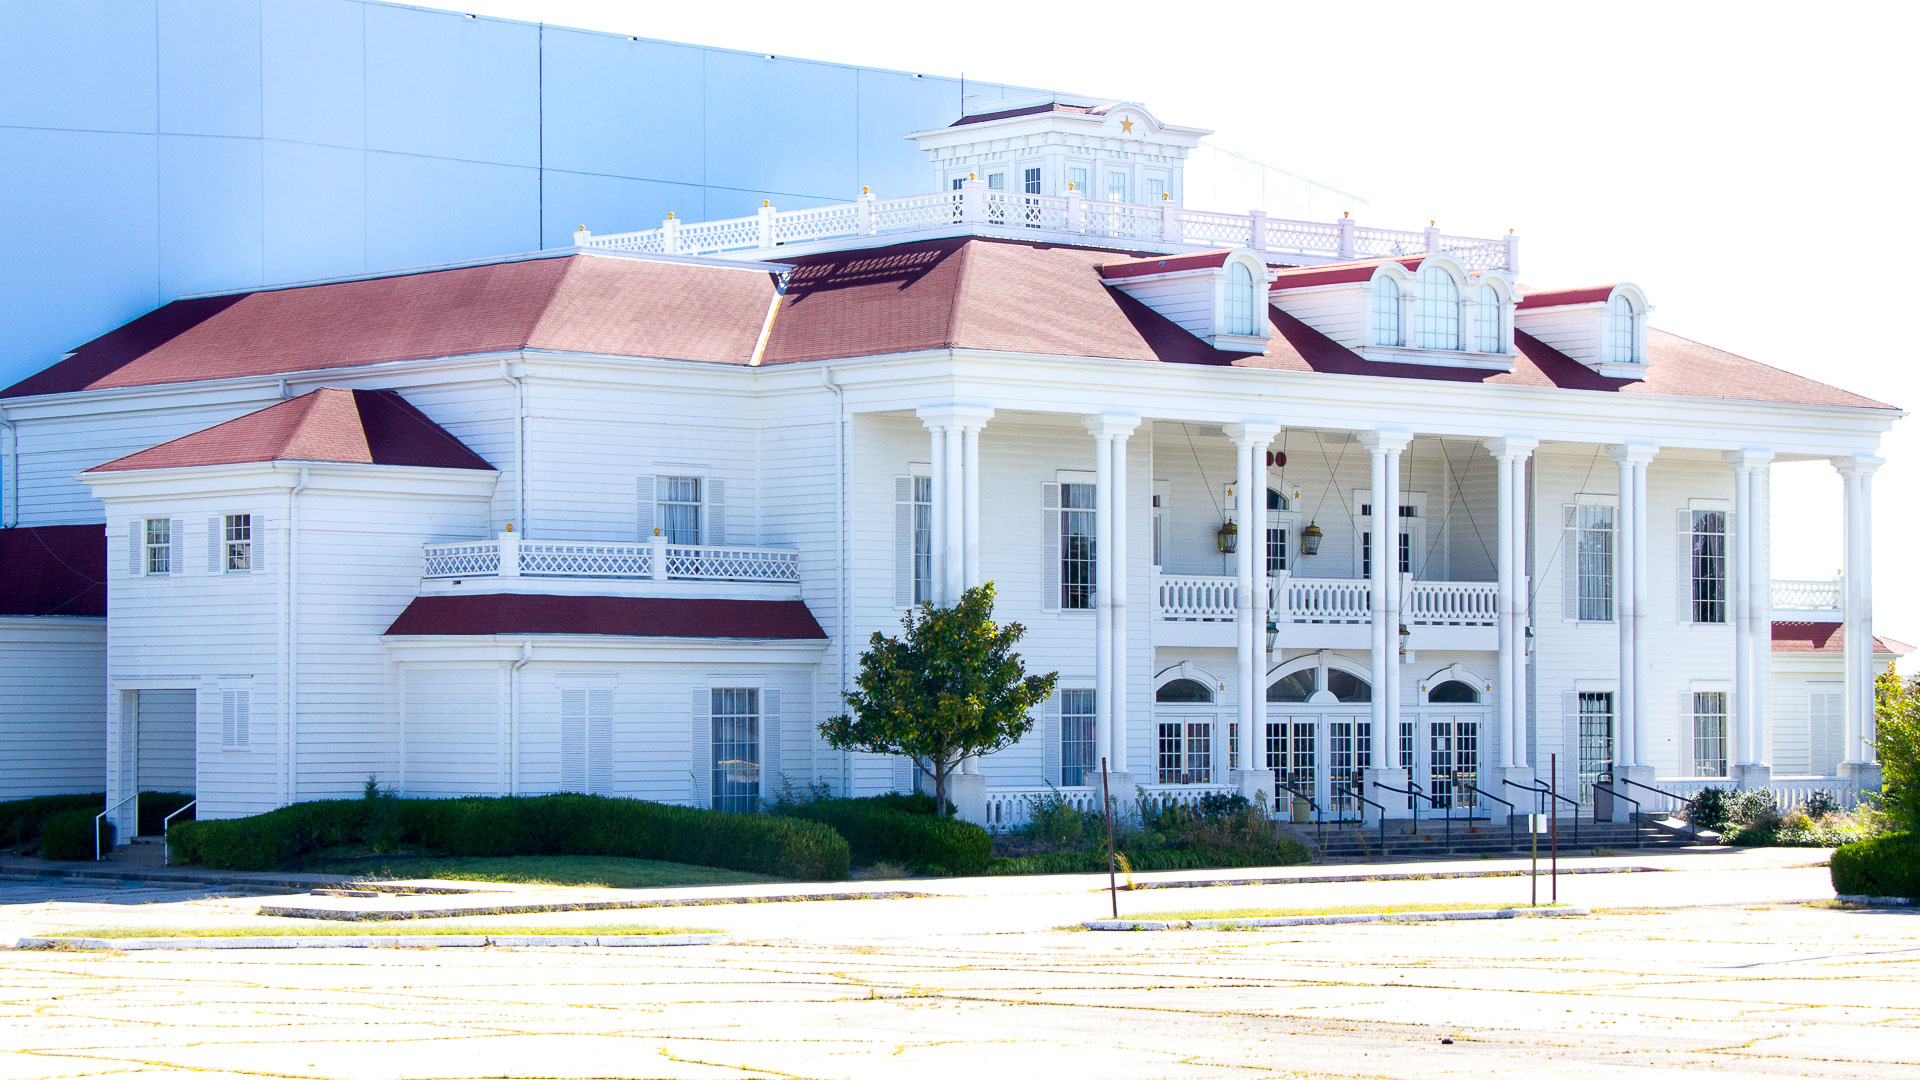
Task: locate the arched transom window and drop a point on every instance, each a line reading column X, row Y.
column 1487, row 320
column 1184, row 692
column 1386, row 311
column 1243, row 301
column 1300, row 686
column 1453, row 692
column 1622, row 330
column 1436, row 321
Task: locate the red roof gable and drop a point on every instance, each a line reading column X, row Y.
column 1826, row 637
column 1591, row 294
column 362, row 427
column 1304, row 277
column 576, row 303
column 1164, row 264
column 619, row 616
column 54, row 570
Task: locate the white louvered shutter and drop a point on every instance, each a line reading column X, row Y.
column 1050, row 737
column 1050, row 548
column 903, row 541
column 643, row 497
column 1689, row 748
column 258, row 530
column 770, row 767
column 137, row 548
column 1683, row 544
column 236, row 708
column 573, row 740
column 702, row 729
column 216, row 544
column 1570, row 728
column 1570, row 560
column 716, row 511
column 176, row 546
column 600, row 741
column 902, row 773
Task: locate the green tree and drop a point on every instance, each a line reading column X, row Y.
column 1896, row 740
column 949, row 687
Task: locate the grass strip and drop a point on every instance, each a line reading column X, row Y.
column 361, row 929
column 1343, row 909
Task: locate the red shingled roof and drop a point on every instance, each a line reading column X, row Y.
column 363, row 427
column 1591, row 294
column 54, row 570
column 1826, row 637
column 1164, row 264
column 575, row 303
column 1304, row 277
column 619, row 616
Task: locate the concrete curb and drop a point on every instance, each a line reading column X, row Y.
column 1410, row 875
column 1329, row 920
column 372, row 941
column 1863, row 898
column 536, row 907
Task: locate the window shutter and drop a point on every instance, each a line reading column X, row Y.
column 600, row 741
column 136, row 548
column 643, row 496
column 176, row 546
column 258, row 531
column 236, row 707
column 1570, row 556
column 1050, row 734
column 573, row 740
column 903, row 541
column 702, row 747
column 716, row 511
column 1689, row 749
column 1050, row 553
column 1683, row 564
column 216, row 536
column 770, row 774
column 903, row 769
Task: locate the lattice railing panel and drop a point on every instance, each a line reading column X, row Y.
column 708, row 563
column 578, row 558
column 732, row 234
column 476, row 558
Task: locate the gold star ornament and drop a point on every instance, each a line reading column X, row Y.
column 1126, row 124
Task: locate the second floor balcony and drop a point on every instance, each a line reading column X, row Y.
column 1199, row 609
column 511, row 561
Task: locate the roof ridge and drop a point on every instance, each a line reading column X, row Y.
column 568, row 264
column 962, row 287
column 1875, row 403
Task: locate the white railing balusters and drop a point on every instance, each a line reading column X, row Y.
column 1213, row 598
column 598, row 558
column 1791, row 595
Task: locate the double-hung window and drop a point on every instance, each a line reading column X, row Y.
column 159, row 547
column 1710, row 733
column 1593, row 536
column 1077, row 178
column 1076, row 546
column 736, row 749
column 1407, row 514
column 1596, row 740
column 1186, row 752
column 922, row 540
column 237, row 547
column 1156, row 190
column 1077, row 767
column 1708, row 546
column 1116, row 186
column 1031, row 180
column 678, row 502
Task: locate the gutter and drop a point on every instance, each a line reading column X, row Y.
column 513, row 717
column 844, row 631
column 519, row 445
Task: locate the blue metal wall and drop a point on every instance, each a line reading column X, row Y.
column 150, row 148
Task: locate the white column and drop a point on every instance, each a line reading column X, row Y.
column 1103, row 596
column 970, row 504
column 1641, row 678
column 1629, row 598
column 1857, row 617
column 1383, row 492
column 1110, row 654
column 1118, row 566
column 1760, row 604
column 1249, row 665
column 955, row 432
column 1747, row 587
column 937, row 544
column 1510, row 460
column 1522, row 605
column 955, row 517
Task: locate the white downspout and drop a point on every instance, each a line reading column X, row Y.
column 513, row 717
column 843, row 630
column 519, row 446
column 290, row 661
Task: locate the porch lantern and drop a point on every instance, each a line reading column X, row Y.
column 1229, row 537
column 1310, row 539
column 1273, row 633
column 1404, row 635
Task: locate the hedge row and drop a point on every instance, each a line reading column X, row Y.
column 69, row 835
column 530, row 825
column 21, row 819
column 1888, row 866
column 887, row 830
column 1199, row 857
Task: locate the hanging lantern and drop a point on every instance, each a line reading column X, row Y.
column 1273, row 633
column 1404, row 635
column 1310, row 539
column 1229, row 537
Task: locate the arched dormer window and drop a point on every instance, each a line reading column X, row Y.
column 1277, row 501
column 1386, row 311
column 1184, row 692
column 1623, row 330
column 1489, row 320
column 1453, row 692
column 1436, row 322
column 1242, row 302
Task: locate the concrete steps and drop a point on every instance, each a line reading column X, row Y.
column 142, row 851
column 1480, row 839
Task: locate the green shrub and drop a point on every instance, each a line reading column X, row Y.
column 1888, row 866
column 68, row 835
column 878, row 831
column 156, row 805
column 1056, row 824
column 1710, row 809
column 529, row 825
column 1285, row 851
column 21, row 819
column 1896, row 743
column 1754, row 808
column 1819, row 804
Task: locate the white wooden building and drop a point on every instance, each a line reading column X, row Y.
column 620, row 517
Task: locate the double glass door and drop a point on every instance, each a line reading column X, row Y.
column 1327, row 755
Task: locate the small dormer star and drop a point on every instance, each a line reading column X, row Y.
column 1126, row 125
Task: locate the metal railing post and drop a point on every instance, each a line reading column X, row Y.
column 166, row 853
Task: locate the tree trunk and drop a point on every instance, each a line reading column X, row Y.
column 940, row 789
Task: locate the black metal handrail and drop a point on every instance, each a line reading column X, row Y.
column 1414, row 792
column 1511, row 841
column 1319, row 813
column 1413, row 801
column 1540, row 787
column 1606, row 786
column 1686, row 813
column 1358, row 794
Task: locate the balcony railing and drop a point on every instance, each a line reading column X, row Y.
column 1806, row 595
column 516, row 556
column 1290, row 599
column 977, row 205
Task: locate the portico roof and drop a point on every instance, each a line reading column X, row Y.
column 488, row 614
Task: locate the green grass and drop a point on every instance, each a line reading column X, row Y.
column 408, row 928
column 1344, row 909
column 606, row 871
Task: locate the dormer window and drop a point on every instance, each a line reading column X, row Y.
column 1437, row 317
column 1488, row 330
column 1623, row 337
column 1242, row 301
column 1386, row 311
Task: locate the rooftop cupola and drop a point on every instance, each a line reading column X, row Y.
column 1111, row 151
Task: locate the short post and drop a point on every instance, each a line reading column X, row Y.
column 659, row 566
column 863, row 211
column 1106, row 805
column 1433, row 236
column 973, row 201
column 509, row 553
column 1076, row 216
column 1257, row 231
column 1553, row 794
column 1347, row 246
column 1169, row 220
column 670, row 234
column 766, row 224
column 1513, row 253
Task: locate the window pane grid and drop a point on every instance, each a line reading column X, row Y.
column 1594, row 531
column 1076, row 738
column 1436, row 320
column 1386, row 312
column 1710, row 733
column 239, row 542
column 1709, row 566
column 736, row 749
column 159, row 546
column 1241, row 301
column 922, row 539
column 1487, row 320
column 1076, row 545
column 1596, row 741
column 678, row 498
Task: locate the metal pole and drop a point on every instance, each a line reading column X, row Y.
column 1106, row 803
column 1533, row 834
column 1553, row 787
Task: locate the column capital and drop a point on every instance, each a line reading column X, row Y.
column 1111, row 425
column 1512, row 447
column 1853, row 465
column 1633, row 453
column 1748, row 458
column 954, row 414
column 1254, row 432
column 1383, row 440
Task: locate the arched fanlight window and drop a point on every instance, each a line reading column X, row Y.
column 1277, row 501
column 1436, row 323
column 1621, row 330
column 1453, row 692
column 1347, row 687
column 1296, row 687
column 1487, row 320
column 1242, row 301
column 1184, row 692
column 1386, row 311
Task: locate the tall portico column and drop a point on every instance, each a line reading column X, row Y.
column 955, row 456
column 1251, row 438
column 1510, row 460
column 1102, row 591
column 1110, row 432
column 1384, row 447
column 1630, row 598
column 1750, row 765
column 1857, row 760
column 937, row 528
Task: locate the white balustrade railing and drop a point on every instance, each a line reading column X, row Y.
column 1214, row 598
column 1196, row 597
column 1323, row 600
column 1789, row 595
column 1794, row 792
column 1157, row 797
column 975, row 204
column 1010, row 808
column 517, row 556
column 1452, row 603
